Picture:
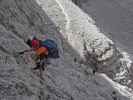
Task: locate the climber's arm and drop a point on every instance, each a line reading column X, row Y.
column 28, row 50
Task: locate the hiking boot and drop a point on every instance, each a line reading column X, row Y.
column 37, row 66
column 43, row 68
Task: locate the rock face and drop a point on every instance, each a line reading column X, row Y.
column 114, row 19
column 71, row 76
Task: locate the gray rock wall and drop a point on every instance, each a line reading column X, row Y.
column 65, row 78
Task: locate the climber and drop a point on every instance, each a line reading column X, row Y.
column 44, row 49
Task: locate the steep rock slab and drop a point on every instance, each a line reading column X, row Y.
column 63, row 79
